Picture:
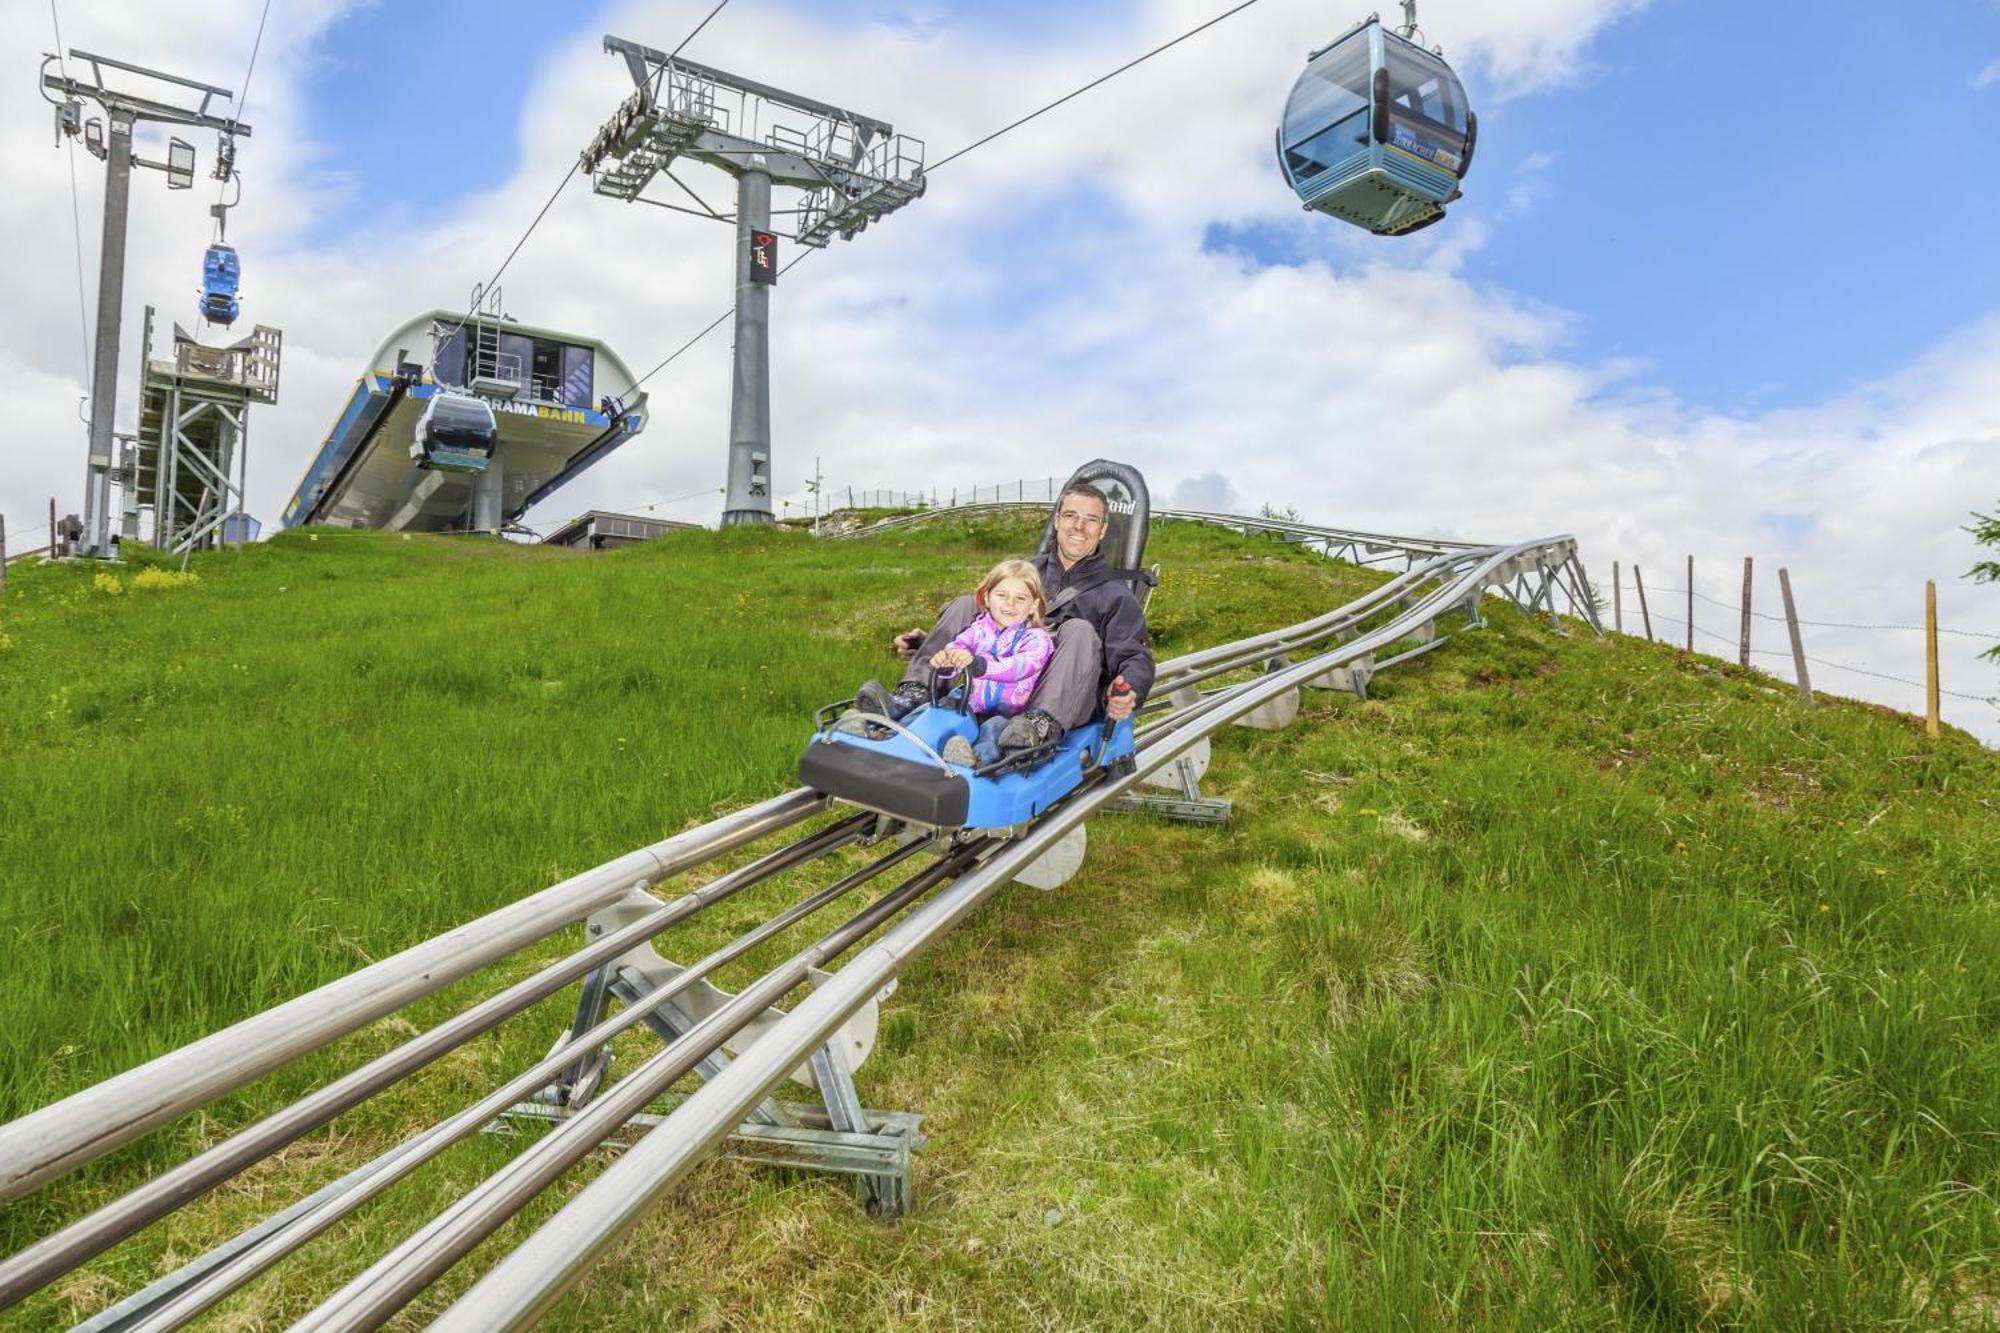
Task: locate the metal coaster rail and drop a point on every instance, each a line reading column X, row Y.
column 1363, row 547
column 1444, row 579
column 527, row 1282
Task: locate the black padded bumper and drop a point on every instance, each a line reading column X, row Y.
column 921, row 793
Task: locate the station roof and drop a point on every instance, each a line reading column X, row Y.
column 648, row 527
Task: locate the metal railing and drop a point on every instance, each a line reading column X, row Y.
column 484, row 364
column 60, row 1138
column 1362, row 548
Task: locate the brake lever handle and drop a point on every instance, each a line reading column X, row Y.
column 1118, row 690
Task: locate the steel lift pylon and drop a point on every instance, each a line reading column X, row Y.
column 851, row 170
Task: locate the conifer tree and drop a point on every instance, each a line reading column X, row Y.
column 1985, row 530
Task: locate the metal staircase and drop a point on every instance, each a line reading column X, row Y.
column 187, row 461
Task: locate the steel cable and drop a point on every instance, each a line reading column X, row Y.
column 1101, row 79
column 575, row 165
column 75, row 213
column 977, row 143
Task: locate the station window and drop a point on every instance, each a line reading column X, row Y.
column 551, row 371
column 448, row 364
column 545, row 370
column 579, row 370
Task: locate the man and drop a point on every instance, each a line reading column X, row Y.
column 1099, row 628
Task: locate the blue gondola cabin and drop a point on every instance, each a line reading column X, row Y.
column 1377, row 132
column 219, row 276
column 455, row 434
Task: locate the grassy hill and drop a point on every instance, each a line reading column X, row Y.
column 1564, row 983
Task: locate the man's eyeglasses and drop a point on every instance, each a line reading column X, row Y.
column 1072, row 518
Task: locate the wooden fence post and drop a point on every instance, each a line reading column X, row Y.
column 52, row 528
column 3, row 553
column 1930, row 660
column 1798, row 644
column 1690, row 592
column 1743, row 647
column 1645, row 616
column 1617, row 599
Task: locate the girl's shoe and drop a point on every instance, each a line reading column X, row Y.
column 873, row 698
column 958, row 750
column 1030, row 731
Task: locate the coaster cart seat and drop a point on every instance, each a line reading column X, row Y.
column 898, row 769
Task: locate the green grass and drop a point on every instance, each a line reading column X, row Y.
column 1564, row 983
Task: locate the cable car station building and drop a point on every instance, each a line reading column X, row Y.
column 498, row 417
column 600, row 530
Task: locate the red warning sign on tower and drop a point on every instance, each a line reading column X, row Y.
column 764, row 257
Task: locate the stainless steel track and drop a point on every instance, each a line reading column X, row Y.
column 527, row 1282
column 57, row 1139
column 56, row 1254
column 1291, row 529
column 173, row 1306
column 1443, row 579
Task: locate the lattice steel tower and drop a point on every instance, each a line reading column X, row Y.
column 849, row 168
column 114, row 145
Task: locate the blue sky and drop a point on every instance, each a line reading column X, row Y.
column 372, row 56
column 1768, row 202
column 488, row 53
column 1764, row 204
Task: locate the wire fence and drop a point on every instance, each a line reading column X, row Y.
column 18, row 544
column 833, row 496
column 1637, row 601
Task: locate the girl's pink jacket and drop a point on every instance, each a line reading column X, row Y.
column 1014, row 660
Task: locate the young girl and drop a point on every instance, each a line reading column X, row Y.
column 1009, row 639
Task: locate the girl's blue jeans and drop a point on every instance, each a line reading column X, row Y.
column 987, row 747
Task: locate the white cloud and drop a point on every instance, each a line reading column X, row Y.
column 1987, row 77
column 1210, row 491
column 1375, row 387
column 1525, row 190
column 1523, row 46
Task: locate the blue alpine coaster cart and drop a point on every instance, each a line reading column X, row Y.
column 898, row 769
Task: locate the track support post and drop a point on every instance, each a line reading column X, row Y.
column 836, row 1135
column 1278, row 713
column 1182, row 778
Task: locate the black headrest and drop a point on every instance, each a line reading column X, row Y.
column 1124, row 544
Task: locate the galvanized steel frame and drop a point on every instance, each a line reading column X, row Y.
column 1443, row 581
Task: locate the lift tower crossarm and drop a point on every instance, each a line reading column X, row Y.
column 641, row 60
column 125, row 110
column 145, row 108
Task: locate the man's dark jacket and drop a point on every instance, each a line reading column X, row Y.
column 1111, row 607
